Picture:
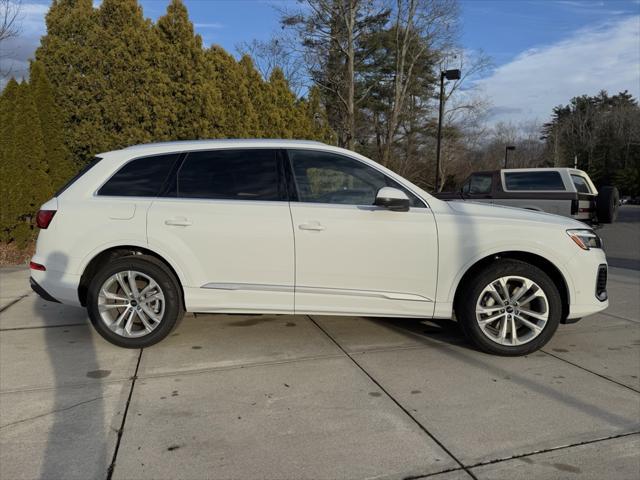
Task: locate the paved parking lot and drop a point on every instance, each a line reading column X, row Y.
column 239, row 397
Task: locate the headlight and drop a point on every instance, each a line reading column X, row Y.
column 585, row 239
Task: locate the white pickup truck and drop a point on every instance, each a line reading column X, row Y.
column 563, row 191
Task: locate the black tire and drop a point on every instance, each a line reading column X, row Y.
column 472, row 288
column 607, row 204
column 173, row 303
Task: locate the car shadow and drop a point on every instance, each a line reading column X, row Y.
column 67, row 454
column 447, row 339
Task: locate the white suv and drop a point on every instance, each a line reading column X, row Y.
column 275, row 226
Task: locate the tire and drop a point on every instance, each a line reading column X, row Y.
column 607, row 204
column 151, row 315
column 546, row 302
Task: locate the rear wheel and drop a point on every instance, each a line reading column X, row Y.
column 134, row 302
column 509, row 308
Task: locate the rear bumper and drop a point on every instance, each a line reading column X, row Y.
column 35, row 286
column 61, row 286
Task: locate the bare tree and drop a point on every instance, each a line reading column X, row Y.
column 10, row 25
column 328, row 32
column 421, row 29
column 276, row 53
column 9, row 18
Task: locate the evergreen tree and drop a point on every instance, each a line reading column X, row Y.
column 71, row 60
column 8, row 168
column 28, row 167
column 129, row 84
column 239, row 117
column 60, row 166
column 195, row 100
column 255, row 122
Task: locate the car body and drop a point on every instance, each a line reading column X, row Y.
column 562, row 191
column 280, row 226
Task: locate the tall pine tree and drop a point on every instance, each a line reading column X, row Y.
column 31, row 185
column 9, row 170
column 194, row 98
column 60, row 166
column 70, row 59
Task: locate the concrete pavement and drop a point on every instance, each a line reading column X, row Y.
column 237, row 397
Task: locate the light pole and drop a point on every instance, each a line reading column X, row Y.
column 449, row 75
column 506, row 153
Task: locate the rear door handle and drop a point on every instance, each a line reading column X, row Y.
column 178, row 222
column 315, row 226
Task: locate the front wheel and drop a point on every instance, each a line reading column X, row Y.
column 509, row 308
column 134, row 301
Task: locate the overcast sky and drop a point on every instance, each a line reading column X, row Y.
column 544, row 51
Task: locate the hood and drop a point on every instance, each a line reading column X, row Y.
column 474, row 209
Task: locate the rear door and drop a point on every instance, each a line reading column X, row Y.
column 225, row 221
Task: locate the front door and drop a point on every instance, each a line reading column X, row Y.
column 353, row 257
column 225, row 221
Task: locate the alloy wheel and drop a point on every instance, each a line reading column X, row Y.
column 512, row 310
column 131, row 304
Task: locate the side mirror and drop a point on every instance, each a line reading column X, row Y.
column 393, row 199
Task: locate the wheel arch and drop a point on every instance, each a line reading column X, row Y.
column 106, row 255
column 531, row 258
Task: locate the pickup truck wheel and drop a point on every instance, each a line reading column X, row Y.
column 134, row 302
column 509, row 308
column 607, row 204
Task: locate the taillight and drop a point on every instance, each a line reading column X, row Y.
column 44, row 217
column 37, row 266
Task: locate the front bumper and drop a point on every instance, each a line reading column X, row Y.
column 589, row 284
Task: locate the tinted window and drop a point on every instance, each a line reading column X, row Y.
column 479, row 184
column 143, row 177
column 581, row 184
column 324, row 177
column 230, row 174
column 80, row 173
column 533, row 181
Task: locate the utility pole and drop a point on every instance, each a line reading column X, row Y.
column 449, row 75
column 506, row 153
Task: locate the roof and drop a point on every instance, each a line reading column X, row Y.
column 216, row 143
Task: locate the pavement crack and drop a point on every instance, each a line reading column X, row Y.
column 554, row 449
column 52, row 412
column 590, row 371
column 112, row 466
column 522, row 455
column 44, row 326
column 415, row 420
column 13, row 302
column 613, row 315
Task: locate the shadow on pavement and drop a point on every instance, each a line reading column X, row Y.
column 66, row 455
column 447, row 340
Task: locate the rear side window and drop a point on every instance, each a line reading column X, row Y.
column 581, row 184
column 80, row 173
column 142, row 177
column 250, row 174
column 533, row 181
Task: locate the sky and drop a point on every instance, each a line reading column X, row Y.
column 543, row 52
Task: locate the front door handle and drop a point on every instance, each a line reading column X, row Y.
column 315, row 226
column 178, row 222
